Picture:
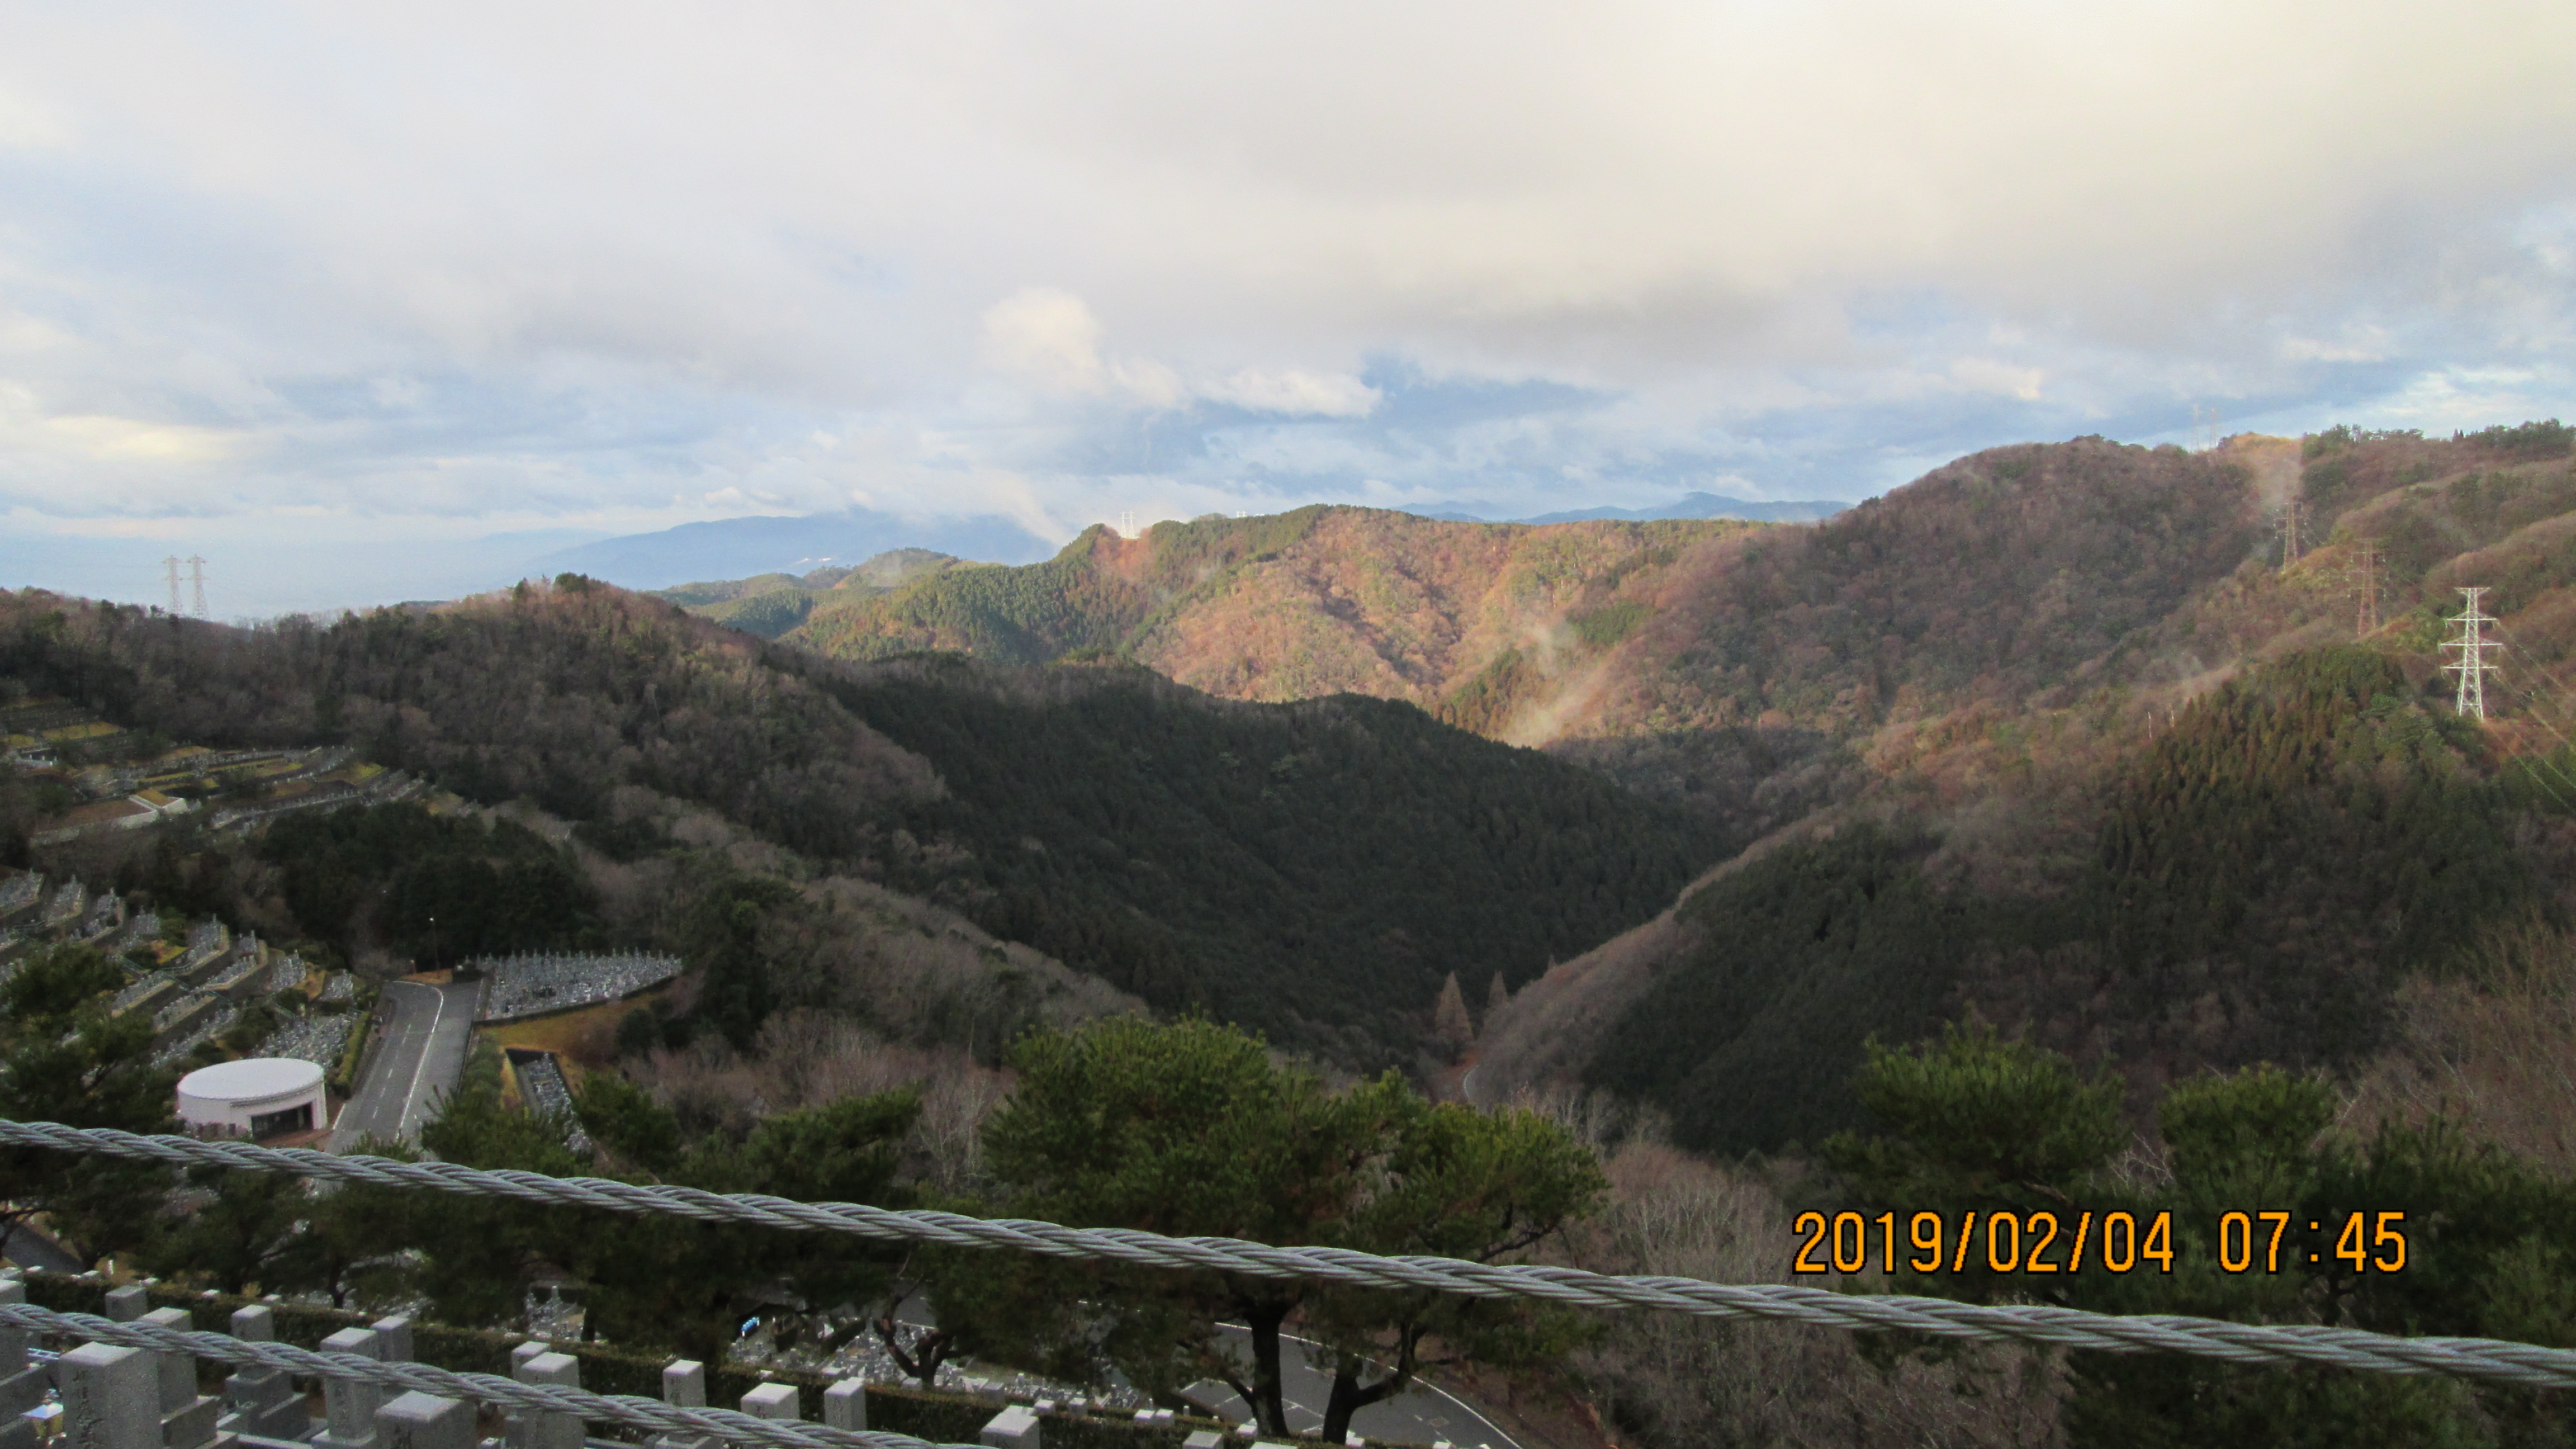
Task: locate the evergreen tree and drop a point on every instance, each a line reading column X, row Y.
column 63, row 1058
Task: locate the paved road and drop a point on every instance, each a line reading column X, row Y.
column 29, row 1248
column 422, row 1052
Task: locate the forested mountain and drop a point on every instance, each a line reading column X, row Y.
column 1459, row 618
column 2047, row 736
column 2036, row 835
column 1652, row 649
column 2114, row 778
column 1315, row 870
column 770, row 604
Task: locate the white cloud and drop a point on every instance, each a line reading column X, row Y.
column 28, row 124
column 1050, row 339
column 2360, row 343
column 1294, row 392
column 1979, row 374
column 445, row 261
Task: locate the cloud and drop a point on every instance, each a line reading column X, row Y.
column 1294, row 392
column 1050, row 339
column 2361, row 343
column 1979, row 374
column 123, row 439
column 279, row 260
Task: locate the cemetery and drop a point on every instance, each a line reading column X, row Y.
column 115, row 1397
column 539, row 983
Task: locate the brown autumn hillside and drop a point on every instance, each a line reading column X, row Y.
column 2041, row 711
column 1728, row 667
column 1463, row 619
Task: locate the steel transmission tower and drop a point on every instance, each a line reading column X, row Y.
column 197, row 575
column 2365, row 589
column 2290, row 536
column 2204, row 428
column 2473, row 667
column 170, row 565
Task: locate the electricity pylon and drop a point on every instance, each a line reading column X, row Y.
column 171, row 565
column 2473, row 667
column 2365, row 589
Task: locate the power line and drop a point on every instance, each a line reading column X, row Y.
column 2473, row 668
column 2532, row 700
column 2245, row 1343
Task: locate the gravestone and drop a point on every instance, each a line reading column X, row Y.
column 539, row 1429
column 264, row 1401
column 684, row 1386
column 845, row 1405
column 1013, row 1428
column 416, row 1420
column 348, row 1405
column 187, row 1417
column 111, row 1398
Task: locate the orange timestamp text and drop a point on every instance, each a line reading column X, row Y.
column 2118, row 1241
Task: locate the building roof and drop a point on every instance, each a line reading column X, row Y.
column 252, row 1079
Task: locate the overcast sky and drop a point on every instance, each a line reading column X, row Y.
column 326, row 293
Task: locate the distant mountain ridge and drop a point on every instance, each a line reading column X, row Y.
column 1689, row 505
column 771, row 604
column 1470, row 621
column 732, row 548
column 739, row 548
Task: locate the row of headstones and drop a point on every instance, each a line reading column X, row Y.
column 114, row 1397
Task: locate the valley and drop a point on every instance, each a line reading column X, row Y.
column 1691, row 837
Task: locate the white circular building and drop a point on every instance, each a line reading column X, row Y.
column 254, row 1097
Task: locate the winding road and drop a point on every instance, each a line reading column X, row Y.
column 426, row 1032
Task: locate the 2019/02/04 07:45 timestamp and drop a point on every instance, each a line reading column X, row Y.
column 2117, row 1241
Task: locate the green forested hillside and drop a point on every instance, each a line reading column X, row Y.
column 1315, row 870
column 2263, row 877
column 768, row 605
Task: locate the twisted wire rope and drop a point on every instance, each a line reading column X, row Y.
column 626, row 1409
column 2242, row 1343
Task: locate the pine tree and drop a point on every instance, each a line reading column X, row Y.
column 1449, row 1020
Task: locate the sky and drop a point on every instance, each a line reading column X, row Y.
column 360, row 303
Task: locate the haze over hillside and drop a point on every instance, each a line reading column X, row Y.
column 736, row 547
